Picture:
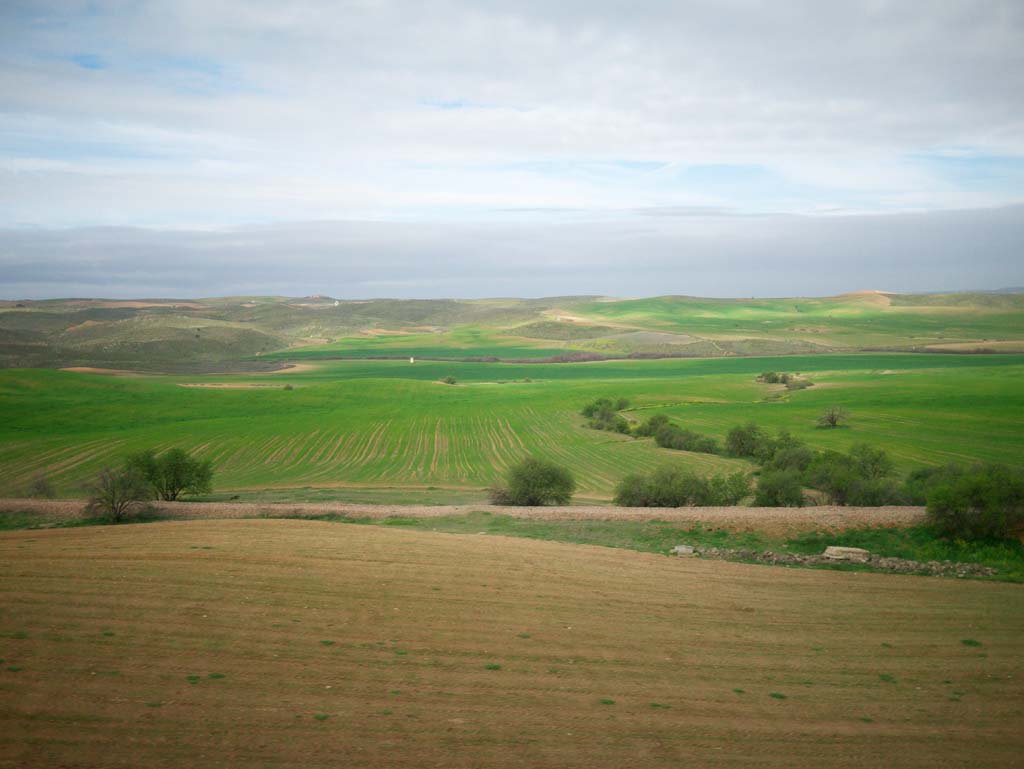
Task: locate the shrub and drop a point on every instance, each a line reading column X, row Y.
column 173, row 473
column 671, row 486
column 796, row 458
column 919, row 482
column 449, row 380
column 858, row 478
column 534, row 482
column 869, row 462
column 985, row 502
column 670, row 436
column 116, row 493
column 602, row 415
column 779, row 488
column 632, row 491
column 744, row 440
column 41, row 488
column 650, row 426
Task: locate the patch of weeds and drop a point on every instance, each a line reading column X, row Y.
column 660, row 706
column 888, row 678
column 108, row 633
column 886, row 646
column 970, row 642
column 947, row 680
column 867, row 720
column 395, row 691
column 817, row 648
column 216, row 676
column 20, row 634
column 777, row 696
column 954, row 699
column 327, row 643
column 957, row 693
column 493, row 666
column 807, row 683
column 192, row 679
column 386, row 712
column 523, row 635
column 15, row 668
column 321, row 716
column 207, row 547
column 400, row 652
column 740, row 691
column 154, row 704
column 606, row 701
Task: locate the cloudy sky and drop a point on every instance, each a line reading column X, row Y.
column 726, row 147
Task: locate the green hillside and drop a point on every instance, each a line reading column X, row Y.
column 391, row 426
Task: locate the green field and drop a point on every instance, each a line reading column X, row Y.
column 387, row 429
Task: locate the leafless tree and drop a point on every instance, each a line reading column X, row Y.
column 117, row 492
column 833, row 416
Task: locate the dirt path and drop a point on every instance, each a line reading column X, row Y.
column 770, row 520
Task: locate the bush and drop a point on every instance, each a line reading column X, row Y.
column 671, row 486
column 858, row 478
column 116, row 493
column 919, row 482
column 795, row 458
column 448, row 380
column 985, row 502
column 745, row 440
column 535, row 482
column 41, row 488
column 670, row 436
column 650, row 426
column 779, row 488
column 172, row 473
column 870, row 463
column 602, row 415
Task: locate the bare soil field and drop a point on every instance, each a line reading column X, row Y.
column 284, row 643
column 769, row 520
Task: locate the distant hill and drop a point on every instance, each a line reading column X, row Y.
column 260, row 332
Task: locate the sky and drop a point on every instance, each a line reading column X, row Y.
column 428, row 149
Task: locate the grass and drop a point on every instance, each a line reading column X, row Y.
column 338, row 435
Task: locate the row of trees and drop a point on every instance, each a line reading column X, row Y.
column 144, row 476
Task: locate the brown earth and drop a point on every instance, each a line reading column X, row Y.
column 770, row 520
column 305, row 644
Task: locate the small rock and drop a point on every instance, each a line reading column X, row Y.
column 682, row 550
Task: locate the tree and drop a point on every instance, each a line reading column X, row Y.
column 173, row 473
column 535, row 482
column 117, row 492
column 833, row 416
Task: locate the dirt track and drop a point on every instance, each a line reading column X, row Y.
column 766, row 519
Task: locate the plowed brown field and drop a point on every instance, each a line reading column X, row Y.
column 286, row 643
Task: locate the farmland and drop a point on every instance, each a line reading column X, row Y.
column 390, row 428
column 281, row 643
